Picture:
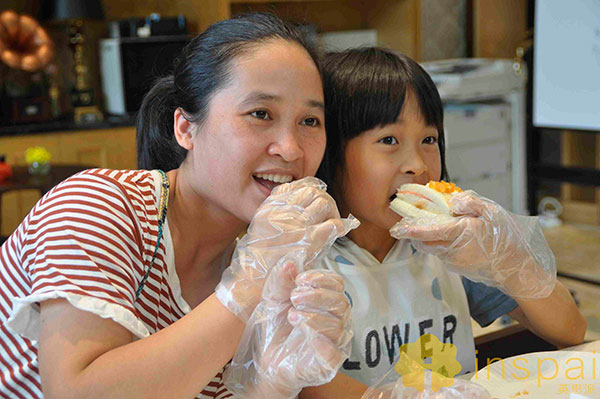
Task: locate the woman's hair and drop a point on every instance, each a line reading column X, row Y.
column 365, row 88
column 203, row 68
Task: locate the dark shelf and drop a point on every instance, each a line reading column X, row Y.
column 65, row 124
column 582, row 176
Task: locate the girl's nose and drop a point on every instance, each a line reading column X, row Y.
column 286, row 146
column 414, row 163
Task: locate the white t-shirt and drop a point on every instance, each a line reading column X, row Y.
column 395, row 302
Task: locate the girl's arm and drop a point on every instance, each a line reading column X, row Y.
column 341, row 386
column 493, row 246
column 82, row 355
column 555, row 318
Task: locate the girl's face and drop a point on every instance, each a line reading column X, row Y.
column 265, row 127
column 380, row 160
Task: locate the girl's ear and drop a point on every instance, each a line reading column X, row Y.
column 184, row 130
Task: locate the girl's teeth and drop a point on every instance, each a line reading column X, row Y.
column 275, row 178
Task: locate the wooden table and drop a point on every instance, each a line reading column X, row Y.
column 23, row 180
column 577, row 251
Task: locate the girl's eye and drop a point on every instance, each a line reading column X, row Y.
column 261, row 114
column 389, row 140
column 431, row 140
column 312, row 122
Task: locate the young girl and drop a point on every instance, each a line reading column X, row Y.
column 108, row 284
column 385, row 114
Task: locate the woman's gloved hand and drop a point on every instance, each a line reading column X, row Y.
column 299, row 335
column 488, row 244
column 297, row 223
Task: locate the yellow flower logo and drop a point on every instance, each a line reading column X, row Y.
column 443, row 363
column 37, row 154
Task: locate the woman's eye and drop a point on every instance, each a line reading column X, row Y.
column 312, row 122
column 261, row 114
column 389, row 140
column 431, row 140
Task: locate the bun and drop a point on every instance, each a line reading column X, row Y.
column 424, row 201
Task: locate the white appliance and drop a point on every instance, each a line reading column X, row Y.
column 566, row 52
column 343, row 40
column 484, row 120
column 129, row 66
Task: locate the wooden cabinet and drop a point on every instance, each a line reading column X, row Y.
column 499, row 27
column 112, row 148
column 581, row 204
column 13, row 147
column 397, row 21
column 105, row 148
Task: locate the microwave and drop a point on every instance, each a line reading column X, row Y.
column 129, row 66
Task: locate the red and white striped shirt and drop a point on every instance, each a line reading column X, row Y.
column 89, row 241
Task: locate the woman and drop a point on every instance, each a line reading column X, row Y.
column 108, row 284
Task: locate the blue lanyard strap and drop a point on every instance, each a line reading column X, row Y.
column 162, row 215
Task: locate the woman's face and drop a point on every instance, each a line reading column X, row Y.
column 264, row 128
column 380, row 160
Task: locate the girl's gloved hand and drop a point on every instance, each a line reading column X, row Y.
column 488, row 244
column 297, row 223
column 299, row 335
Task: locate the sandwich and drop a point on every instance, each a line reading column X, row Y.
column 430, row 201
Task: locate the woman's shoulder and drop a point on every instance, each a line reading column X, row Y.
column 108, row 205
column 130, row 185
column 104, row 193
column 132, row 179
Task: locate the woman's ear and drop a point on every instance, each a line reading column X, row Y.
column 184, row 130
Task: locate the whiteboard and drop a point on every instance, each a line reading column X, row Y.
column 566, row 82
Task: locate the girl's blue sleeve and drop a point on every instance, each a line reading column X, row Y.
column 486, row 304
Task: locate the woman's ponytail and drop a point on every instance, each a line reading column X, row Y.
column 156, row 144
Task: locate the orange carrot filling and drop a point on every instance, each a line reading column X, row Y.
column 444, row 187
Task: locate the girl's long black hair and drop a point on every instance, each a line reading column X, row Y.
column 366, row 88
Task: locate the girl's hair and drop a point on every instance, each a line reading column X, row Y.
column 365, row 88
column 203, row 68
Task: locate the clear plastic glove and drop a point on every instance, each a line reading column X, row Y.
column 488, row 244
column 417, row 382
column 297, row 223
column 299, row 335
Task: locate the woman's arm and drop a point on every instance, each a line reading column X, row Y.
column 82, row 355
column 555, row 318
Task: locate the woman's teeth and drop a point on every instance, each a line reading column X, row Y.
column 275, row 178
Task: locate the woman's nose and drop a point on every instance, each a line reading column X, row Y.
column 286, row 146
